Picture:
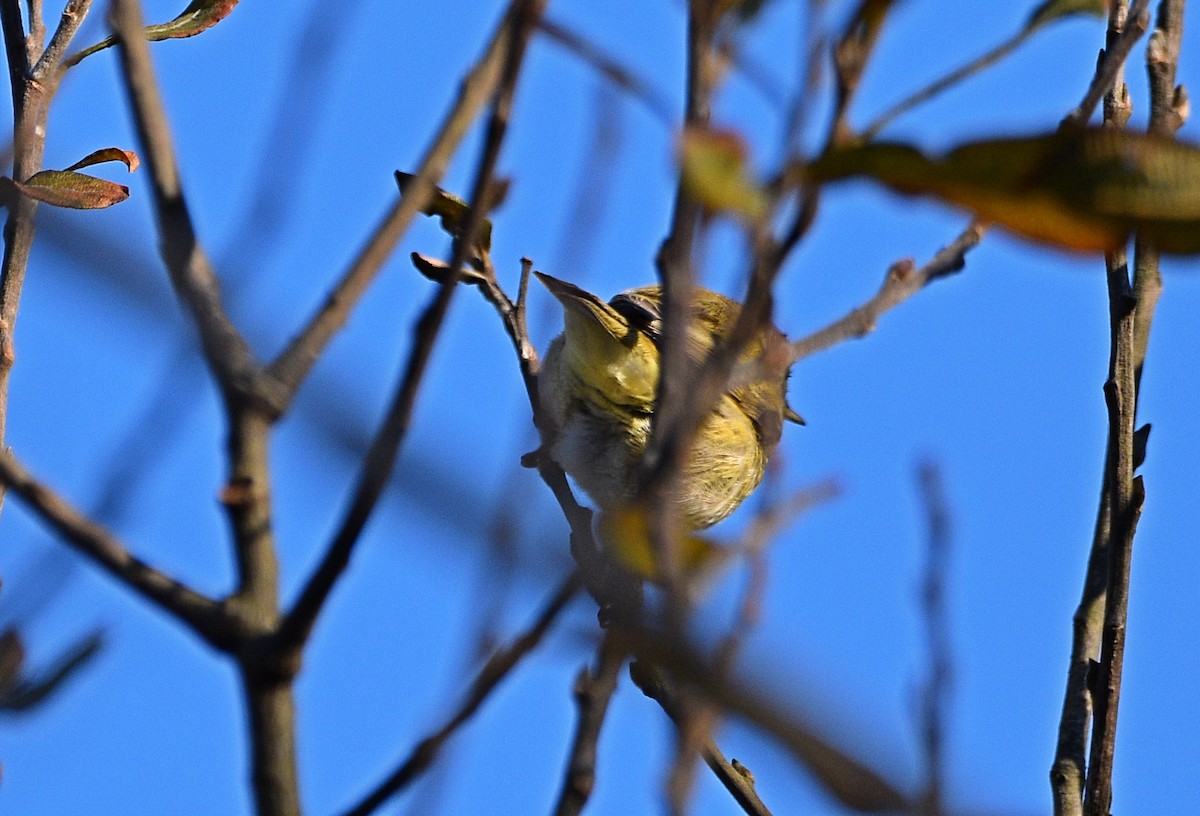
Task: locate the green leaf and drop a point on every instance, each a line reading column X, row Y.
column 198, row 17
column 77, row 191
column 1082, row 190
column 451, row 211
column 1052, row 10
column 715, row 173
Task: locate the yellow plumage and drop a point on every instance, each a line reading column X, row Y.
column 598, row 384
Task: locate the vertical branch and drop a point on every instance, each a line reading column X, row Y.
column 1132, row 311
column 266, row 686
column 1100, row 619
column 29, row 69
column 593, row 691
column 1069, row 770
column 1126, row 496
column 933, row 603
column 29, row 119
column 674, row 262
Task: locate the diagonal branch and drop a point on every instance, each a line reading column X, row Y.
column 381, row 457
column 200, row 613
column 292, row 365
column 903, row 280
column 498, row 666
column 1112, row 65
column 195, row 282
column 593, row 692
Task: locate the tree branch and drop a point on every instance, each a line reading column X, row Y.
column 225, row 350
column 293, row 364
column 198, row 612
column 498, row 666
column 593, row 691
column 381, row 457
column 1112, row 63
column 901, row 282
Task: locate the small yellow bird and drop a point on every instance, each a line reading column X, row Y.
column 599, row 381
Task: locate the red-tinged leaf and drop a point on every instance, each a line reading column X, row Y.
column 715, row 173
column 198, row 17
column 1082, row 190
column 77, row 191
column 108, row 154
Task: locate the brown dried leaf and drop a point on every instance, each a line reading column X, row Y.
column 108, row 154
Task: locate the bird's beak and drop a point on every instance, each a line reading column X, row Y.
column 586, row 305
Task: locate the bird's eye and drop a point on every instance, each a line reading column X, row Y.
column 643, row 314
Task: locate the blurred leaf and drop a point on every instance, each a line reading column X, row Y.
column 1052, row 10
column 452, row 211
column 625, row 533
column 25, row 694
column 108, row 154
column 198, row 17
column 744, row 10
column 439, row 271
column 714, row 170
column 12, row 658
column 1081, row 189
column 77, row 191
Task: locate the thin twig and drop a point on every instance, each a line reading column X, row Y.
column 1112, row 63
column 944, row 83
column 1132, row 311
column 936, row 687
column 381, row 457
column 292, row 365
column 736, row 778
column 196, row 611
column 766, row 526
column 73, row 15
column 902, row 281
column 30, row 114
column 851, row 780
column 608, row 67
column 1069, row 770
column 593, row 691
column 499, row 666
column 1127, row 495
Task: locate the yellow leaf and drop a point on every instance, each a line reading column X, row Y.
column 625, row 534
column 1081, row 189
column 714, row 170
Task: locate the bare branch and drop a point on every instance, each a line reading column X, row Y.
column 1112, row 62
column 292, row 365
column 498, row 666
column 49, row 63
column 936, row 686
column 381, row 456
column 593, row 691
column 198, row 612
column 225, row 350
column 902, row 281
column 608, row 67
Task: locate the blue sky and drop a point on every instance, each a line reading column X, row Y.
column 996, row 374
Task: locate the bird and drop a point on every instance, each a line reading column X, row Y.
column 598, row 384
